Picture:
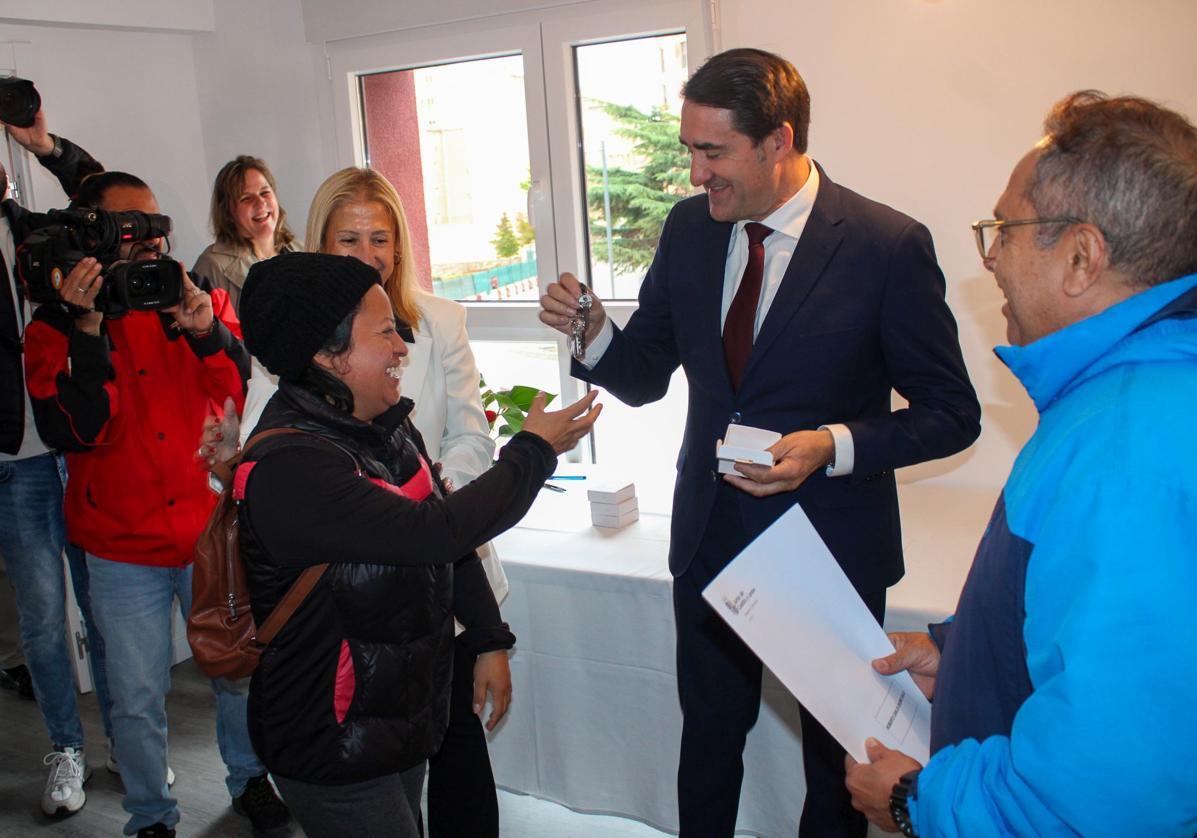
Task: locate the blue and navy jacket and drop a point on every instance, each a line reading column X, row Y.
column 1066, row 701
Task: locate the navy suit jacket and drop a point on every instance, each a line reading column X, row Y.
column 860, row 312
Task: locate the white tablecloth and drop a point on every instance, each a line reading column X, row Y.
column 595, row 723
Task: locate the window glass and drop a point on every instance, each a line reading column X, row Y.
column 635, row 168
column 453, row 139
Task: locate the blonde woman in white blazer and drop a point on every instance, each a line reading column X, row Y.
column 356, row 212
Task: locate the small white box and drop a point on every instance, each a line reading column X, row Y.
column 616, row 509
column 600, row 517
column 610, row 491
column 744, row 444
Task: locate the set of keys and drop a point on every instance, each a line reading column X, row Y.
column 579, row 323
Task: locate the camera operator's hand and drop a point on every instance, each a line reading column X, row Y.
column 35, row 138
column 80, row 288
column 194, row 313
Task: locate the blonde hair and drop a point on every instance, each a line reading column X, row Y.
column 227, row 188
column 353, row 185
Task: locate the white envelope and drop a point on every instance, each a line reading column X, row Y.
column 787, row 598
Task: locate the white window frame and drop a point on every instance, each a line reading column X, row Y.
column 546, row 39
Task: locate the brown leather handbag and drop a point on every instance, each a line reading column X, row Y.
column 220, row 629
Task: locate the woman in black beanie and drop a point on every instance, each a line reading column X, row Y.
column 352, row 695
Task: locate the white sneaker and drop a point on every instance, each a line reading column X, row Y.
column 114, row 768
column 64, row 793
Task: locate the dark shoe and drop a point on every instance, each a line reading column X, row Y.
column 156, row 831
column 18, row 680
column 261, row 804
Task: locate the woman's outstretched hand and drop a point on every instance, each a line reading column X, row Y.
column 563, row 428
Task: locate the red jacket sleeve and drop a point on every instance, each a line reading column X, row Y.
column 225, row 359
column 70, row 380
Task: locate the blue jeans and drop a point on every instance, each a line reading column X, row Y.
column 32, row 536
column 133, row 605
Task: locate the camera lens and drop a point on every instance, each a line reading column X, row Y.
column 19, row 102
column 135, row 284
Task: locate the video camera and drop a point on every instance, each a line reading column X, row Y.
column 56, row 241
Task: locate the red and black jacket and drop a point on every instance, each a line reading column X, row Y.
column 128, row 407
column 356, row 685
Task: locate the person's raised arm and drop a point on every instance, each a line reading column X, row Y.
column 65, row 160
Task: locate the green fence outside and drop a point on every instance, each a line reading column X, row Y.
column 481, row 282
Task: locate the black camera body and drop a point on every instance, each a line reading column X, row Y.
column 54, row 242
column 19, row 102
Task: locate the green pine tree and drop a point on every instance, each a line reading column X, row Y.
column 640, row 200
column 523, row 230
column 505, row 243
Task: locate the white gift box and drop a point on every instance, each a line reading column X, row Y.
column 744, row 444
column 610, row 491
column 615, row 515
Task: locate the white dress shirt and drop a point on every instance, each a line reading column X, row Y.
column 787, row 222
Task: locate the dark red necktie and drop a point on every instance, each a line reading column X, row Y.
column 741, row 317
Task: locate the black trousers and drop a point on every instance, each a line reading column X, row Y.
column 719, row 684
column 387, row 805
column 461, row 787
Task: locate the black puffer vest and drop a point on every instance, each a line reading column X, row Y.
column 356, row 685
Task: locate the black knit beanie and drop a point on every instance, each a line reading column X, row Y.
column 292, row 304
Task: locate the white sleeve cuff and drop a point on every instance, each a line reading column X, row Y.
column 845, row 453
column 598, row 346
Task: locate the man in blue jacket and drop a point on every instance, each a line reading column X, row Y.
column 1064, row 688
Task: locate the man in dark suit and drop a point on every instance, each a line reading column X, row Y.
column 795, row 305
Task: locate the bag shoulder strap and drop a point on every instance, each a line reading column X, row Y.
column 223, row 471
column 294, row 597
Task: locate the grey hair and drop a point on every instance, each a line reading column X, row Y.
column 1128, row 166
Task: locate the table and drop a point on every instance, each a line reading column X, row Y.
column 595, row 723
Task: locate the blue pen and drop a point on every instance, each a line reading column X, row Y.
column 568, row 477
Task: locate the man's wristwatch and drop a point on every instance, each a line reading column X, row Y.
column 54, row 153
column 905, row 789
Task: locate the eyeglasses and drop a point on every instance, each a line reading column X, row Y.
column 987, row 230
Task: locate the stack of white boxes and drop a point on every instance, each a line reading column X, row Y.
column 613, row 504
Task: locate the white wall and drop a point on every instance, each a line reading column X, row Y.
column 128, row 97
column 258, row 80
column 331, row 21
column 927, row 105
column 172, row 107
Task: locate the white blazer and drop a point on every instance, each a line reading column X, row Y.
column 440, row 375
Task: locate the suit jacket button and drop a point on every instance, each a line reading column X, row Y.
column 735, row 417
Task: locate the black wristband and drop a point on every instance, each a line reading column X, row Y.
column 904, row 791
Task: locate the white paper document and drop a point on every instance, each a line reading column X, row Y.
column 792, row 604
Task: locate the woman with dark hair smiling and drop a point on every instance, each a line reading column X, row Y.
column 352, row 695
column 248, row 223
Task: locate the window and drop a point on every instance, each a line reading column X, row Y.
column 435, row 133
column 525, row 145
column 635, row 169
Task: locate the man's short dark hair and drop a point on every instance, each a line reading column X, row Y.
column 1128, row 166
column 762, row 90
column 91, row 191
